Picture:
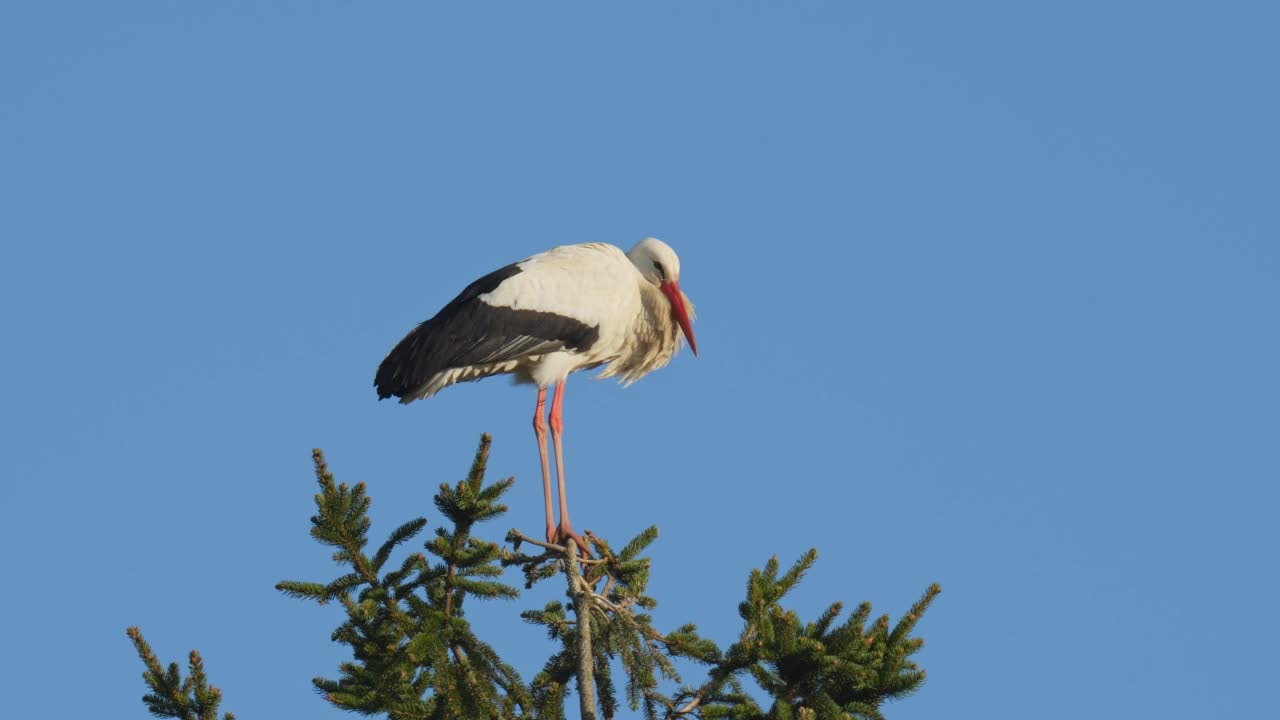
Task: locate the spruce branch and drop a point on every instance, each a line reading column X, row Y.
column 173, row 696
column 414, row 654
column 809, row 669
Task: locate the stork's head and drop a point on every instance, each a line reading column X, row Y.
column 658, row 263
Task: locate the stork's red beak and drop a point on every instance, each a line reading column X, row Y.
column 672, row 290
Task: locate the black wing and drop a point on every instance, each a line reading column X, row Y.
column 468, row 331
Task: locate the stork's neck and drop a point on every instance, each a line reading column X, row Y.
column 652, row 338
column 655, row 321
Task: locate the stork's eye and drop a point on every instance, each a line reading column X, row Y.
column 658, row 266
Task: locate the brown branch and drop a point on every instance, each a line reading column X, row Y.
column 581, row 593
column 557, row 549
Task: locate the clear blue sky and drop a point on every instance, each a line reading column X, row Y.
column 987, row 296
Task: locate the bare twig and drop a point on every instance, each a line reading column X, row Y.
column 558, row 549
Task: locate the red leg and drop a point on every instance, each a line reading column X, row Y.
column 565, row 532
column 540, row 430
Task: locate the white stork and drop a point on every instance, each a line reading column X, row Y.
column 571, row 308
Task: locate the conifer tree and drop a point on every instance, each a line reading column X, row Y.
column 415, row 655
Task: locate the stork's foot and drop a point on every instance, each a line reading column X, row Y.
column 565, row 533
